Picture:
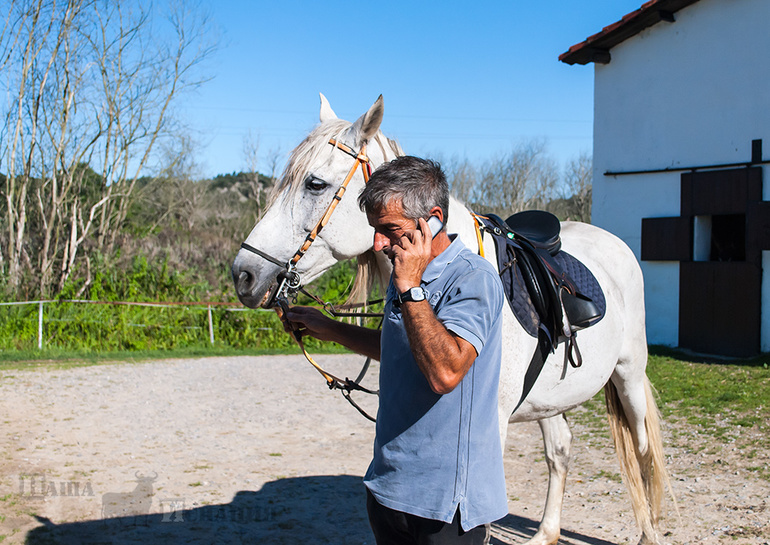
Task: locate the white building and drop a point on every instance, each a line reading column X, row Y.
column 681, row 112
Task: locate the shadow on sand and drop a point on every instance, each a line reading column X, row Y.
column 291, row 511
column 301, row 510
column 516, row 529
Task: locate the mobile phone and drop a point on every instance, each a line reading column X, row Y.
column 435, row 225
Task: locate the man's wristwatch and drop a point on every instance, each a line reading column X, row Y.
column 412, row 294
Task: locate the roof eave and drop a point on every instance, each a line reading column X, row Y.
column 596, row 48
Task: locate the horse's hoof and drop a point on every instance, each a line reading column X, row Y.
column 544, row 538
column 647, row 540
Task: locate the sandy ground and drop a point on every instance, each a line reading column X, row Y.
column 257, row 450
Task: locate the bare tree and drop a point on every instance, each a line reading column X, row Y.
column 274, row 157
column 174, row 196
column 578, row 188
column 91, row 84
column 191, row 194
column 23, row 33
column 463, row 178
column 141, row 78
column 522, row 179
column 251, row 155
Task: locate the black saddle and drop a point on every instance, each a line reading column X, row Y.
column 539, row 227
column 554, row 303
column 531, row 241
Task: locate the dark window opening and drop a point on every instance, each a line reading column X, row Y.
column 728, row 237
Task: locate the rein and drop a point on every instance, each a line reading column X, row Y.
column 290, row 282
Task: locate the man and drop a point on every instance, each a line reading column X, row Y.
column 437, row 473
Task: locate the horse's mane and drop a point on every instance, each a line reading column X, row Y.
column 316, row 147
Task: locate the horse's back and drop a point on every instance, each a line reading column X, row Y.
column 604, row 254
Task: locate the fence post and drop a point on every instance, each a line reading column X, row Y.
column 211, row 327
column 40, row 326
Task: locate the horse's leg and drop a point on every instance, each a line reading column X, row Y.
column 558, row 440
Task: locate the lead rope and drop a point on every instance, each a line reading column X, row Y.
column 345, row 386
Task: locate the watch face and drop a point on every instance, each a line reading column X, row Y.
column 416, row 294
column 412, row 294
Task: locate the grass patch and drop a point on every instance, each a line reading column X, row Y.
column 702, row 390
column 609, row 475
column 64, row 359
column 725, row 400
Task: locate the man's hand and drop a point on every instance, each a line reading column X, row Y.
column 311, row 321
column 410, row 257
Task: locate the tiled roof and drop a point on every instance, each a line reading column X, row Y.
column 596, row 48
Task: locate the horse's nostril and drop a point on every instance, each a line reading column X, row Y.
column 245, row 282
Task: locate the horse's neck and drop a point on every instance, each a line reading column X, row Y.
column 461, row 222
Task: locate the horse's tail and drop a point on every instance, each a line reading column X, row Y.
column 644, row 473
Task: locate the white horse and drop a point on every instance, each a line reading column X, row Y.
column 614, row 350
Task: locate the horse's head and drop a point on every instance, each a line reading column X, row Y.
column 314, row 173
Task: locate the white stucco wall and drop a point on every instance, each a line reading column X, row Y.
column 693, row 92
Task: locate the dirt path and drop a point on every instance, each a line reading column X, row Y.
column 256, row 450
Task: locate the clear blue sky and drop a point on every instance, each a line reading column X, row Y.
column 467, row 79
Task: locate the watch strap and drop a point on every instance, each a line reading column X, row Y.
column 416, row 293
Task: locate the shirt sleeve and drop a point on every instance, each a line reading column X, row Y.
column 471, row 306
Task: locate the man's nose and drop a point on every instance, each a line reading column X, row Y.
column 380, row 242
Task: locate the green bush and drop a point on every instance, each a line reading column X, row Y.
column 96, row 327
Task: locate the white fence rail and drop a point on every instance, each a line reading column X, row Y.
column 236, row 307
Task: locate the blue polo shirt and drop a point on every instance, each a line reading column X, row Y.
column 434, row 453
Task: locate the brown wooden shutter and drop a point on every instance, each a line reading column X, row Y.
column 758, row 235
column 667, row 239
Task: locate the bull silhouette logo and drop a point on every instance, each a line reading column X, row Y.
column 130, row 504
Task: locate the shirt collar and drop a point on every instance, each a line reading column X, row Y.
column 436, row 267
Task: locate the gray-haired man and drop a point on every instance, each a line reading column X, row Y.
column 437, row 472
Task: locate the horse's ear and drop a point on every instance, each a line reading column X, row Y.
column 327, row 113
column 368, row 124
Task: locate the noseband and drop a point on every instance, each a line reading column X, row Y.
column 289, row 280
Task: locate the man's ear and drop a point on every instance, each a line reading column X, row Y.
column 438, row 212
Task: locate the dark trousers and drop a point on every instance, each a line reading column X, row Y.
column 396, row 528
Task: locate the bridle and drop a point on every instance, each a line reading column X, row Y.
column 289, row 281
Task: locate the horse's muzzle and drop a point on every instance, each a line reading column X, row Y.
column 247, row 288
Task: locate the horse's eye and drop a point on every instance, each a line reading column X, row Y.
column 315, row 184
